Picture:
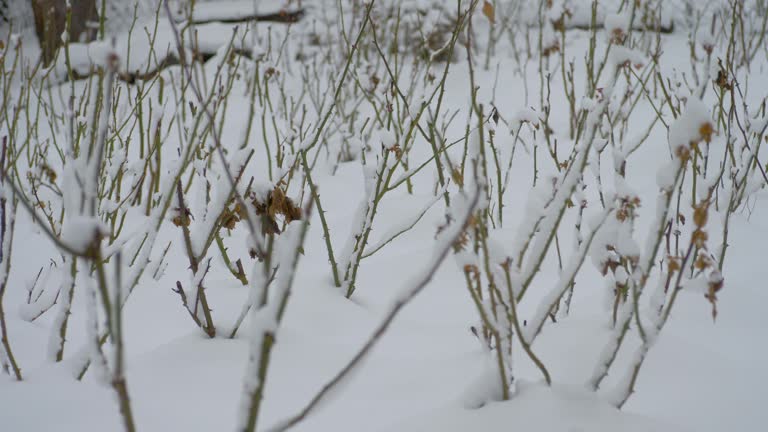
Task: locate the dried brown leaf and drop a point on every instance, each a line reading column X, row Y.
column 489, row 12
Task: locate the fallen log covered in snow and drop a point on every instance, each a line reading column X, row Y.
column 144, row 54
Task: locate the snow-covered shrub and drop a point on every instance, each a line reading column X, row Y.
column 559, row 153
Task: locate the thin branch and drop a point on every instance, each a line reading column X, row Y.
column 409, row 294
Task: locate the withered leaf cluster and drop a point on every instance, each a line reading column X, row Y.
column 277, row 203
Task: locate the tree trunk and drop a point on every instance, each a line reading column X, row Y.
column 50, row 23
column 4, row 14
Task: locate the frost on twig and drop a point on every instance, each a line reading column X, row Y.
column 266, row 316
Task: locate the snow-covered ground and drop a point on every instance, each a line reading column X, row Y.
column 429, row 372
